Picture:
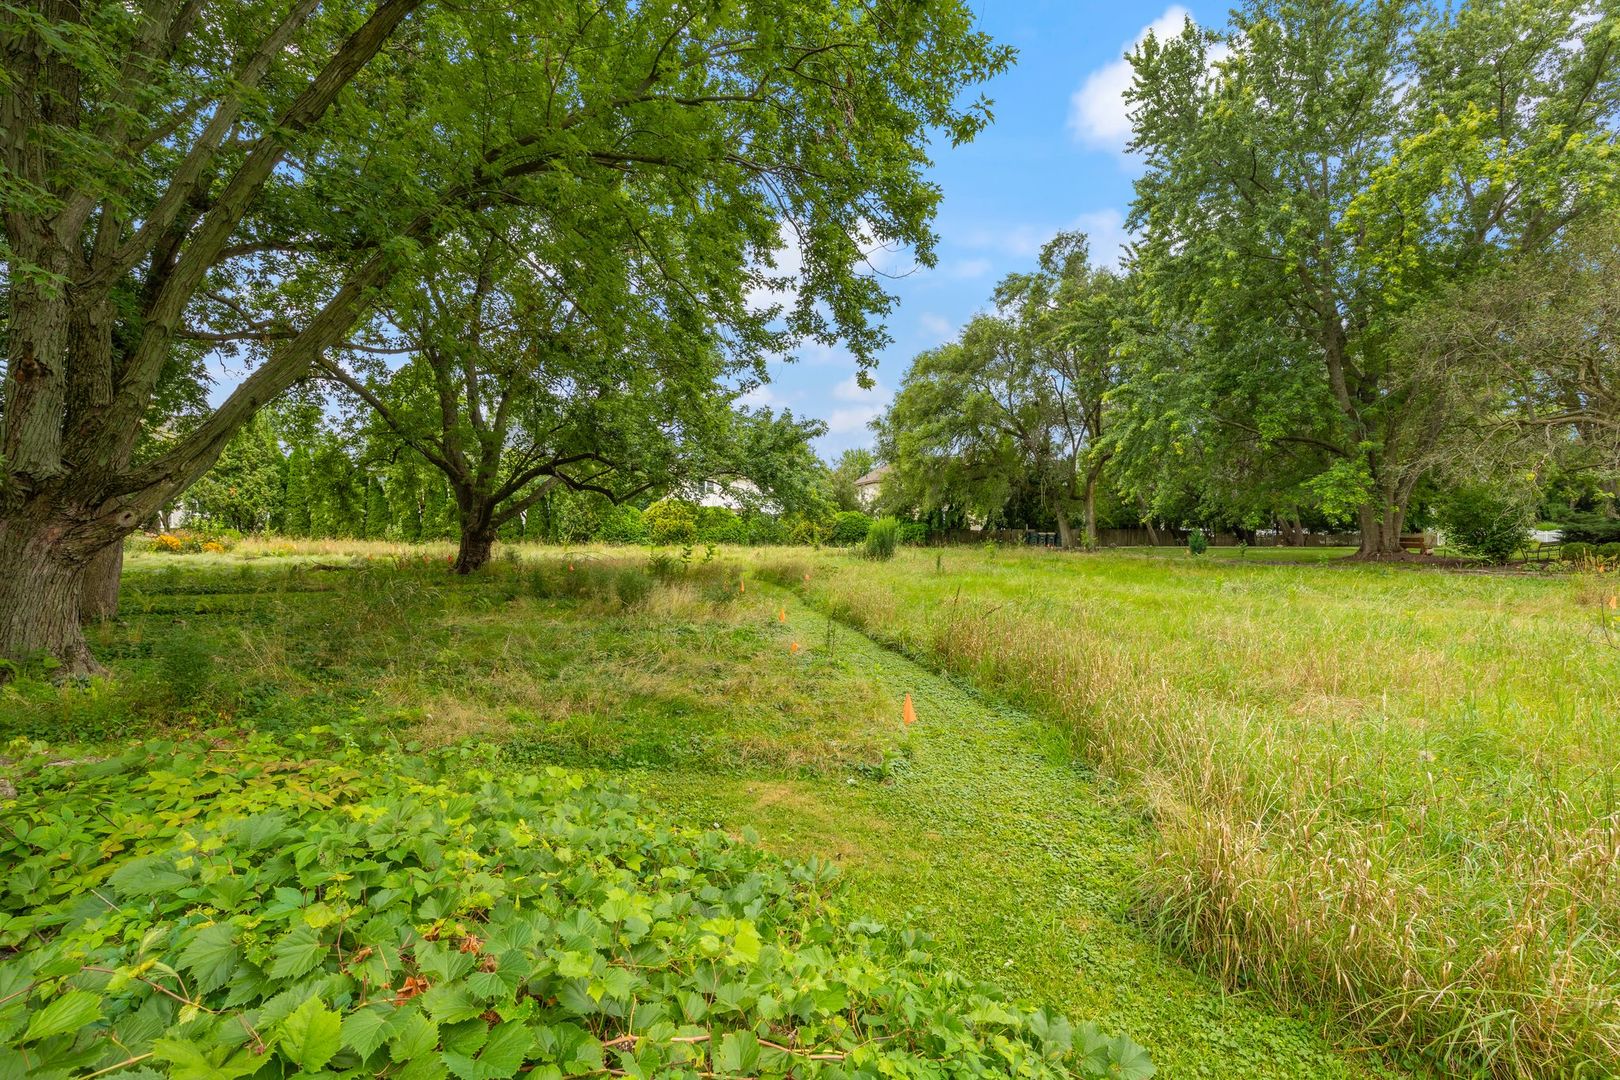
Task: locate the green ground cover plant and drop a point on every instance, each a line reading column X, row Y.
column 683, row 681
column 1384, row 792
column 319, row 906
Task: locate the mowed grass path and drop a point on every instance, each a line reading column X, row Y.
column 1385, row 791
column 1020, row 863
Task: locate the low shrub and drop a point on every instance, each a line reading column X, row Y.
column 1482, row 521
column 913, row 533
column 1607, row 551
column 1575, row 551
column 881, row 539
column 320, row 907
column 190, row 541
column 1197, row 542
column 848, row 528
column 671, row 522
column 720, row 525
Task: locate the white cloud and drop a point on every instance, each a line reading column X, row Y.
column 937, row 328
column 855, row 418
column 1105, row 229
column 763, row 396
column 1098, row 115
column 967, row 269
column 863, row 406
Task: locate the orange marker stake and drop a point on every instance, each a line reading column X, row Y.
column 570, row 568
column 908, row 714
column 793, row 648
column 742, row 586
column 781, row 615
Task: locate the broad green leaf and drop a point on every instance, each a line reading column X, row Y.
column 211, row 955
column 416, row 1038
column 366, row 1029
column 190, row 1063
column 312, row 1035
column 70, row 1012
column 297, row 951
column 505, row 1049
column 737, row 1053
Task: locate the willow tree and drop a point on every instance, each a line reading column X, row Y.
column 1016, row 405
column 1318, row 168
column 258, row 172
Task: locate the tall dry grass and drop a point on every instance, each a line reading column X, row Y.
column 1386, row 793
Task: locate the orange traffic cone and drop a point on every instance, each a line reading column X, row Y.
column 908, row 715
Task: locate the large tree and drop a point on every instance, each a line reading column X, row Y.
column 259, row 171
column 1015, row 406
column 1319, row 167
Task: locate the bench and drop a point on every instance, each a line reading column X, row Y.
column 1421, row 543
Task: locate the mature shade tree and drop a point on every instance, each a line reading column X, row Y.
column 1526, row 362
column 247, row 485
column 523, row 379
column 1016, row 404
column 1321, row 166
column 965, row 425
column 842, row 474
column 1068, row 312
column 260, row 171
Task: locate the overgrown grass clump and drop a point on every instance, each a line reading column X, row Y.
column 583, row 659
column 316, row 906
column 1387, row 792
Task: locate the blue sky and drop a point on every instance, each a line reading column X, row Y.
column 1053, row 159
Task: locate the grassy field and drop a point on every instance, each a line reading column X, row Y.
column 1384, row 791
column 731, row 704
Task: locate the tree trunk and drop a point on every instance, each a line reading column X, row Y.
column 1381, row 529
column 41, row 586
column 1065, row 528
column 1091, row 508
column 475, row 547
column 99, row 599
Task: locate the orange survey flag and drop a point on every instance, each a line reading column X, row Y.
column 908, row 715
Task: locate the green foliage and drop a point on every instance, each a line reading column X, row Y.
column 1608, row 551
column 881, row 539
column 849, row 527
column 1482, row 521
column 323, row 904
column 913, row 533
column 1197, row 542
column 1576, row 551
column 720, row 525
column 622, row 525
column 1590, row 526
column 671, row 521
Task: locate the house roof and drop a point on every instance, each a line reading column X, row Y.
column 874, row 477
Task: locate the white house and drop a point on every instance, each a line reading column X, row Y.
column 870, row 487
